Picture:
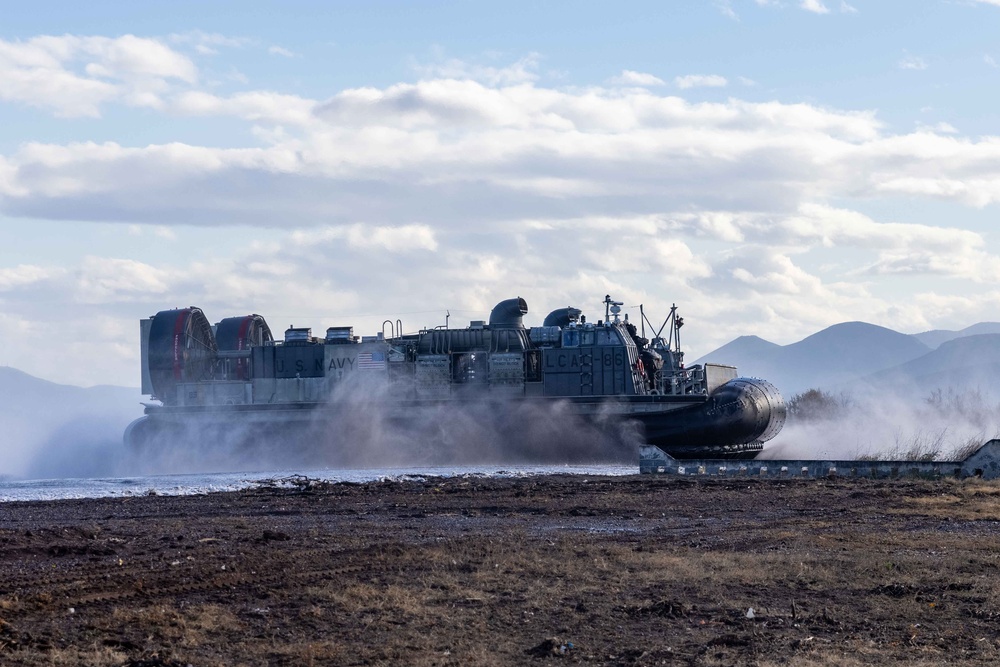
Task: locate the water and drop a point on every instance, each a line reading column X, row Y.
column 200, row 483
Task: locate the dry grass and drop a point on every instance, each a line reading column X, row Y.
column 517, row 583
column 630, row 572
column 961, row 500
column 178, row 627
column 309, row 654
column 97, row 656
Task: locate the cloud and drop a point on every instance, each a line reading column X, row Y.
column 449, row 149
column 402, row 239
column 775, row 297
column 24, row 274
column 726, row 8
column 814, row 6
column 254, row 106
column 827, row 226
column 524, row 70
column 104, row 280
column 129, row 56
column 209, row 42
column 942, row 127
column 758, row 281
column 892, row 247
column 912, row 62
column 280, row 51
column 422, row 196
column 700, row 81
column 76, row 76
column 159, row 231
column 632, row 78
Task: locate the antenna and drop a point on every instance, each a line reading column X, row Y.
column 611, row 308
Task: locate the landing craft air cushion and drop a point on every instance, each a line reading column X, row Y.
column 236, row 377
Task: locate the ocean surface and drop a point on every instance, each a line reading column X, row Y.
column 199, row 483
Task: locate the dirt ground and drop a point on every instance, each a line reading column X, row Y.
column 474, row 571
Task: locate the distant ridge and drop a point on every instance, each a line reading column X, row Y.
column 742, row 348
column 937, row 337
column 969, row 362
column 27, row 392
column 836, row 355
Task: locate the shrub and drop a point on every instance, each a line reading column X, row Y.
column 816, row 405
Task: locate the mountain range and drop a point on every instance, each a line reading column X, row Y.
column 854, row 354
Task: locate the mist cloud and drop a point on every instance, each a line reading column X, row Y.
column 946, row 424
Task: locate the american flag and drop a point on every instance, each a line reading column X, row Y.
column 371, row 361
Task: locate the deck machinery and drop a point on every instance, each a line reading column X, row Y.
column 234, row 375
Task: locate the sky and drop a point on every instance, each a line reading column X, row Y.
column 773, row 167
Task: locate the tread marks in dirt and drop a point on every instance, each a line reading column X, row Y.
column 117, row 580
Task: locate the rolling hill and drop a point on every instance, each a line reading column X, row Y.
column 937, row 337
column 839, row 354
column 963, row 363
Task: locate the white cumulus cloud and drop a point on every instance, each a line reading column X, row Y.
column 75, row 76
